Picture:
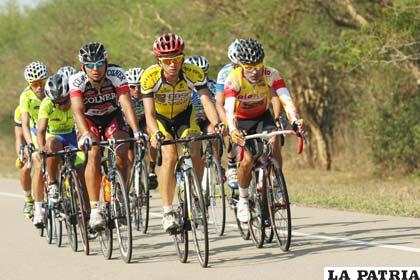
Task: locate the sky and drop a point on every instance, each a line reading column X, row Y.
column 21, row 3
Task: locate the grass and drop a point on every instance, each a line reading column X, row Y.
column 355, row 190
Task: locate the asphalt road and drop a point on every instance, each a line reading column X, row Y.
column 321, row 238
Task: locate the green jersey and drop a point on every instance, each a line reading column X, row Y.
column 59, row 122
column 29, row 103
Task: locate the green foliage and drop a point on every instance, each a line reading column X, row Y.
column 299, row 37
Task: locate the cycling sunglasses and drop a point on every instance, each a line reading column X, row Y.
column 91, row 65
column 38, row 83
column 134, row 86
column 169, row 60
column 255, row 67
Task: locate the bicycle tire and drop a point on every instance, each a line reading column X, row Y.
column 144, row 199
column 120, row 206
column 69, row 221
column 199, row 219
column 82, row 213
column 48, row 225
column 58, row 227
column 280, row 210
column 181, row 237
column 268, row 235
column 243, row 230
column 256, row 226
column 216, row 197
column 106, row 236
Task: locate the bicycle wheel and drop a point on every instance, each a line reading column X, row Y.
column 243, row 228
column 256, row 226
column 120, row 206
column 49, row 225
column 216, row 197
column 278, row 199
column 141, row 208
column 58, row 227
column 198, row 218
column 70, row 220
column 268, row 234
column 80, row 204
column 105, row 236
column 181, row 237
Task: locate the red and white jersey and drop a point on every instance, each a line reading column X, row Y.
column 103, row 101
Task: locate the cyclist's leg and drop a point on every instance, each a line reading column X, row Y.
column 244, row 179
column 117, row 129
column 53, row 144
column 25, row 182
column 192, row 128
column 167, row 180
column 37, row 184
column 93, row 178
column 130, row 155
column 153, row 182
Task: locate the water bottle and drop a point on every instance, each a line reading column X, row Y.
column 107, row 188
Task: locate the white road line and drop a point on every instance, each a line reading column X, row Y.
column 336, row 239
column 11, row 195
column 298, row 233
column 358, row 242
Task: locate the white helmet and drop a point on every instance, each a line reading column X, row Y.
column 67, row 71
column 133, row 75
column 57, row 87
column 233, row 52
column 35, row 71
column 200, row 61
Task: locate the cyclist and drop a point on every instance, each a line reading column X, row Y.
column 99, row 94
column 200, row 115
column 248, row 91
column 21, row 163
column 36, row 74
column 55, row 126
column 133, row 77
column 166, row 88
column 231, row 173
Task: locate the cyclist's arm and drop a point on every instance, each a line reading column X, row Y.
column 79, row 114
column 220, row 103
column 150, row 113
column 128, row 110
column 276, row 105
column 278, row 84
column 42, row 130
column 19, row 139
column 26, row 127
column 208, row 106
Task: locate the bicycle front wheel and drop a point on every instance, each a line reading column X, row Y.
column 120, row 206
column 58, row 227
column 198, row 218
column 181, row 236
column 80, row 203
column 279, row 206
column 256, row 226
column 215, row 197
column 70, row 220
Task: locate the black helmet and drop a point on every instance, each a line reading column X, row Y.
column 92, row 52
column 57, row 87
column 250, row 51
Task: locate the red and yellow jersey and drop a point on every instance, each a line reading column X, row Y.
column 252, row 100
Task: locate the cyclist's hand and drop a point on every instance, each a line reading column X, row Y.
column 18, row 163
column 220, row 128
column 238, row 137
column 297, row 126
column 278, row 123
column 85, row 141
column 138, row 135
column 156, row 137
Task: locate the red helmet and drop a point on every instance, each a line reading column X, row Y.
column 168, row 44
